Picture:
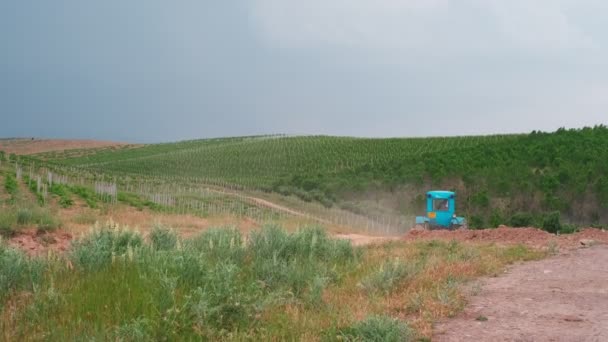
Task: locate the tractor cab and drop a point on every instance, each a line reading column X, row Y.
column 441, row 212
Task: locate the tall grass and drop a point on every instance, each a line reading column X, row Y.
column 17, row 272
column 273, row 285
column 214, row 286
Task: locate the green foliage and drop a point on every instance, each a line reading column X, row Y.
column 378, row 328
column 477, row 222
column 8, row 223
column 568, row 229
column 34, row 189
column 535, row 173
column 43, row 219
column 162, row 238
column 24, row 216
column 521, row 219
column 137, row 201
column 552, row 222
column 10, row 185
column 87, row 194
column 65, row 200
column 208, row 288
column 17, row 271
column 96, row 250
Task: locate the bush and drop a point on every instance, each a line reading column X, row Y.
column 522, row 220
column 64, row 196
column 162, row 238
column 225, row 301
column 219, row 244
column 552, row 222
column 477, row 222
column 378, row 328
column 17, row 271
column 568, row 229
column 95, row 251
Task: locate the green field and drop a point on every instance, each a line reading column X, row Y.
column 496, row 177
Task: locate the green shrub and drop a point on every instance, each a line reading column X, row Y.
column 552, row 222
column 87, row 194
column 65, row 201
column 163, row 238
column 477, row 222
column 17, row 271
column 219, row 244
column 568, row 229
column 10, row 185
column 225, row 302
column 378, row 328
column 95, row 251
column 522, row 220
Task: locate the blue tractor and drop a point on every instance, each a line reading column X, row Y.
column 441, row 212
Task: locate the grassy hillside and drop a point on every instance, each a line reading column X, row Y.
column 497, row 177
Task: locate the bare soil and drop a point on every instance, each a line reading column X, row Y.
column 563, row 298
column 29, row 146
column 531, row 237
column 34, row 242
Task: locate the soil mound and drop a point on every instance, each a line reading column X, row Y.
column 506, row 235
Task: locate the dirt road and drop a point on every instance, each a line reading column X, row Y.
column 563, row 298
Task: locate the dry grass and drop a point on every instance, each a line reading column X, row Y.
column 433, row 293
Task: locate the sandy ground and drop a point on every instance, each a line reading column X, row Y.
column 28, row 146
column 563, row 298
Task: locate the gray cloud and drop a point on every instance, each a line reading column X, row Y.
column 152, row 71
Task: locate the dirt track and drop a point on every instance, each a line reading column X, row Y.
column 563, row 298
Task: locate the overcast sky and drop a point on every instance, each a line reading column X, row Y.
column 150, row 70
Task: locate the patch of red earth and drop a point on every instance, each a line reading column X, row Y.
column 35, row 243
column 532, row 237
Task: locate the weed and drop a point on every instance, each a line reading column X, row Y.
column 481, row 318
column 17, row 271
column 25, row 216
column 390, row 274
column 163, row 238
column 96, row 251
column 85, row 217
column 377, row 328
column 8, row 221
